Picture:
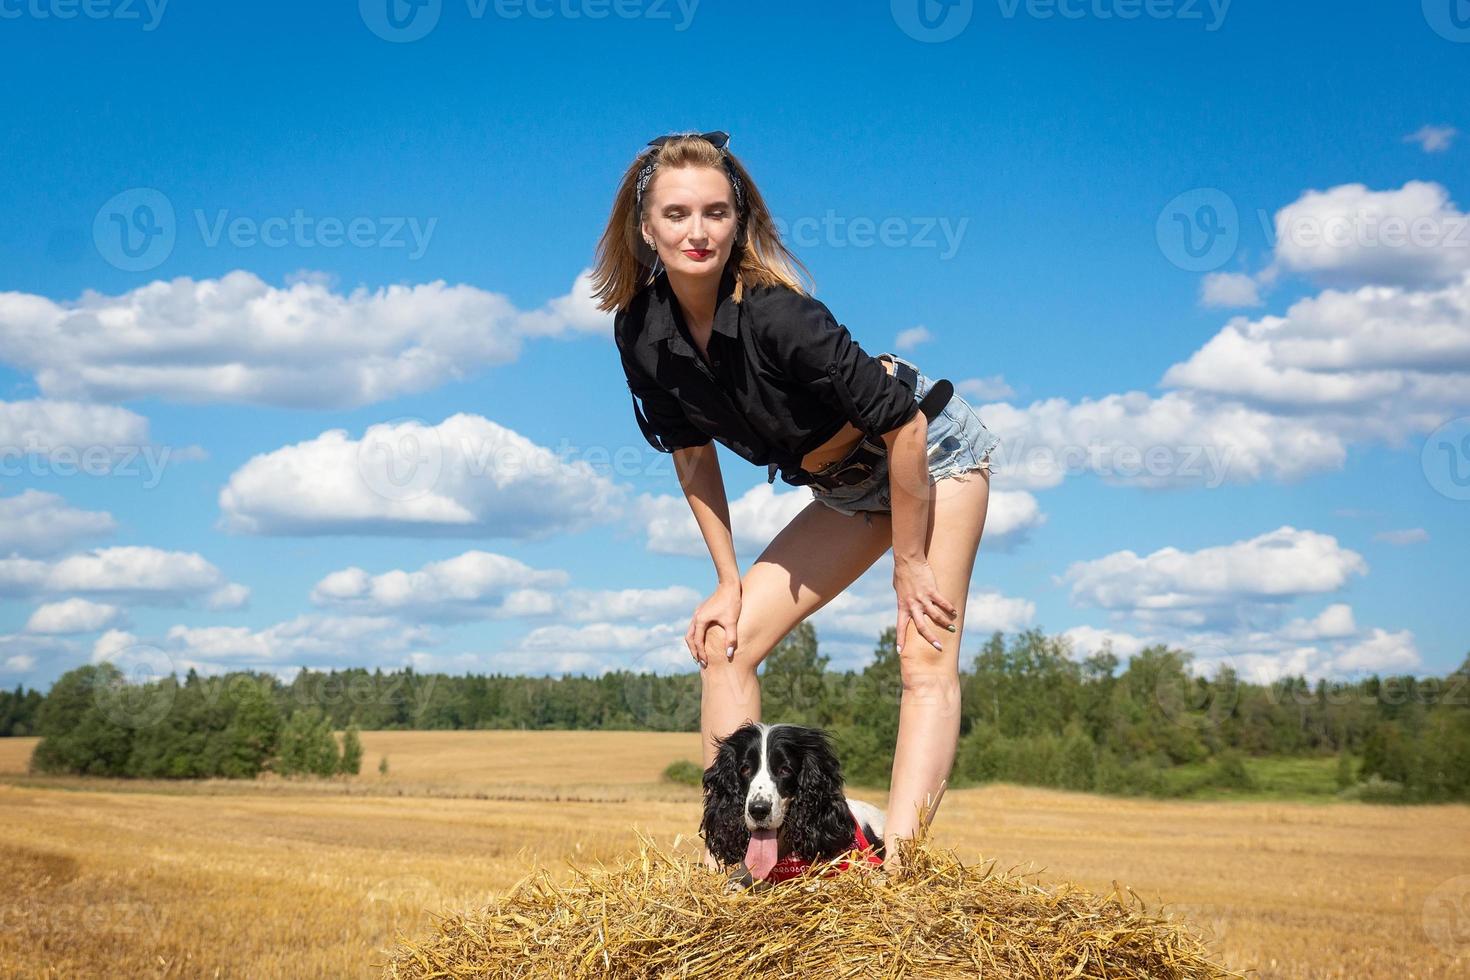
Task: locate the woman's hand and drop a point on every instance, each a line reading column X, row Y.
column 919, row 601
column 721, row 609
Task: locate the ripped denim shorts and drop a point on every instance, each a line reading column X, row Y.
column 958, row 443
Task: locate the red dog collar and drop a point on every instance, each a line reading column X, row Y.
column 794, row 864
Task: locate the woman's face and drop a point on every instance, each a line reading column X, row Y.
column 691, row 219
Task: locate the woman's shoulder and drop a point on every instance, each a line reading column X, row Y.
column 628, row 322
column 780, row 309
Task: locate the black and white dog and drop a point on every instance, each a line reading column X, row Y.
column 774, row 796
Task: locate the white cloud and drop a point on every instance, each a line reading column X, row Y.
column 1379, row 651
column 465, row 477
column 986, row 612
column 37, row 524
column 756, row 517
column 1009, row 517
column 1334, row 621
column 92, row 439
column 1229, row 289
column 1328, row 646
column 639, row 605
column 912, row 338
column 141, row 574
column 111, row 644
column 24, row 652
column 849, row 624
column 228, row 597
column 311, row 639
column 1285, row 396
column 470, row 585
column 1348, row 234
column 991, row 388
column 1134, row 439
column 1410, row 535
column 596, row 648
column 240, row 340
column 554, row 663
column 1378, row 362
column 470, row 577
column 1433, row 139
column 1215, row 584
column 72, row 616
column 1088, row 640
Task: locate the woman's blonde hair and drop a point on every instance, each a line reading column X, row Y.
column 624, row 263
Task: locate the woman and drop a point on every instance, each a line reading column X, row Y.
column 724, row 344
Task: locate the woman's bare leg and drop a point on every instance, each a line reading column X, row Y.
column 814, row 558
column 929, row 711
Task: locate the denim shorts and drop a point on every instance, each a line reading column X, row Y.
column 958, row 443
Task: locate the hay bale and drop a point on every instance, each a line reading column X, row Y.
column 660, row 916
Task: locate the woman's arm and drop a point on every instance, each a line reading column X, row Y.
column 704, row 487
column 908, row 483
column 699, row 474
column 919, row 599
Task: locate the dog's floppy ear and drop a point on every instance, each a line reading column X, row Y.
column 819, row 824
column 723, row 827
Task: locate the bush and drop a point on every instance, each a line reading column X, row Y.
column 1229, row 772
column 685, row 772
column 1375, row 789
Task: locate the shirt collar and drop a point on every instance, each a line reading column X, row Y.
column 662, row 325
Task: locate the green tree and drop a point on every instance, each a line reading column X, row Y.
column 351, row 762
column 307, row 745
column 77, row 735
column 253, row 734
column 793, row 680
column 866, row 743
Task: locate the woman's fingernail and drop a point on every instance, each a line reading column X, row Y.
column 938, row 645
column 729, row 653
column 950, row 628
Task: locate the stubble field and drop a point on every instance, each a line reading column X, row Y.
column 311, row 879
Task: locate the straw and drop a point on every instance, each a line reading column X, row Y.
column 659, row 915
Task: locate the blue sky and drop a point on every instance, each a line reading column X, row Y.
column 1166, row 226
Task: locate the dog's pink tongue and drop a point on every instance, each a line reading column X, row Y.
column 760, row 856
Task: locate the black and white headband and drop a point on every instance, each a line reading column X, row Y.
column 718, row 139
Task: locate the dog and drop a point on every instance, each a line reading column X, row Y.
column 774, row 805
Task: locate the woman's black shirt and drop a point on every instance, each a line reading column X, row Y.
column 782, row 378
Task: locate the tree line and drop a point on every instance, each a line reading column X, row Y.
column 94, row 722
column 1030, row 712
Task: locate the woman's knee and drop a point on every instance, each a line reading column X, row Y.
column 930, row 676
column 752, row 643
